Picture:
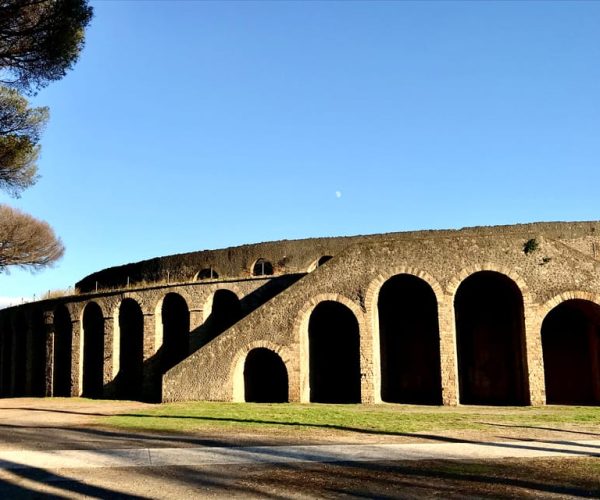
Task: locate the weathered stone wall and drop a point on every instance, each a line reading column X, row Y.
column 276, row 309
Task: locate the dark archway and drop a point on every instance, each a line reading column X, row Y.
column 7, row 347
column 409, row 341
column 20, row 332
column 63, row 349
column 334, row 354
column 226, row 311
column 265, row 377
column 490, row 340
column 571, row 349
column 176, row 329
column 131, row 350
column 262, row 267
column 93, row 351
column 37, row 351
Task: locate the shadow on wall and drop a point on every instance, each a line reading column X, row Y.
column 178, row 341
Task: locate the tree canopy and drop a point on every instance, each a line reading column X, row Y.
column 40, row 40
column 26, row 241
column 20, row 128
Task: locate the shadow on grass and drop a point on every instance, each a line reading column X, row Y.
column 434, row 437
column 586, row 433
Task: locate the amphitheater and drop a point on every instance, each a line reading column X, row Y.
column 506, row 315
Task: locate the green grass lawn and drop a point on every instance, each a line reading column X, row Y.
column 376, row 419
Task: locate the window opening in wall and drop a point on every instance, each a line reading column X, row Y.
column 207, row 273
column 262, row 267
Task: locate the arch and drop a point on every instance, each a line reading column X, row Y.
column 131, row 350
column 206, row 273
column 262, row 267
column 225, row 310
column 334, row 354
column 490, row 340
column 409, row 341
column 93, row 351
column 571, row 351
column 265, row 377
column 20, row 331
column 175, row 320
column 63, row 352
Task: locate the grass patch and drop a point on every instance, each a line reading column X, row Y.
column 376, row 419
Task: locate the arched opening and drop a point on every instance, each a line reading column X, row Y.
column 571, row 349
column 93, row 351
column 262, row 267
column 176, row 328
column 265, row 377
column 226, row 311
column 334, row 354
column 490, row 340
column 63, row 348
column 37, row 349
column 7, row 346
column 409, row 341
column 131, row 351
column 20, row 358
column 206, row 274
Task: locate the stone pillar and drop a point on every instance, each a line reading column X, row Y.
column 109, row 390
column 196, row 318
column 534, row 358
column 448, row 355
column 151, row 388
column 77, row 359
column 367, row 386
column 293, row 367
column 49, row 353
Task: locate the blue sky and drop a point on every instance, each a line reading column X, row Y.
column 194, row 125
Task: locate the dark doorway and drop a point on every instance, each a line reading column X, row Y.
column 409, row 342
column 571, row 348
column 20, row 347
column 131, row 351
column 490, row 340
column 93, row 351
column 63, row 348
column 334, row 354
column 176, row 329
column 265, row 377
